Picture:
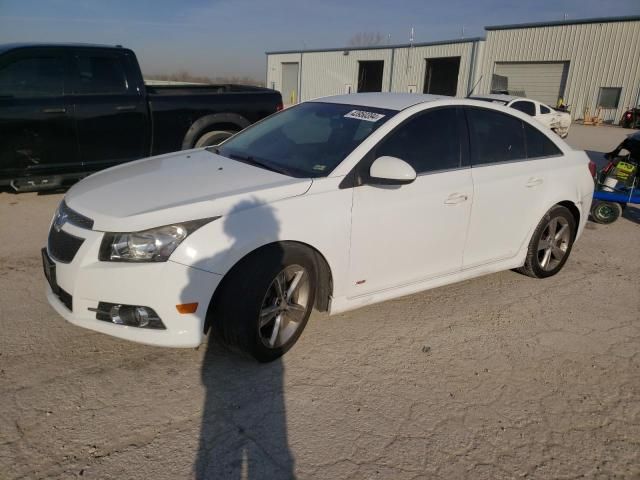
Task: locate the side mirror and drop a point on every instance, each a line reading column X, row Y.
column 391, row 171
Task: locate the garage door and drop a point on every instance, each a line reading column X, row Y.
column 542, row 81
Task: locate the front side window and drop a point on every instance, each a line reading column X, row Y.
column 526, row 107
column 308, row 140
column 100, row 74
column 428, row 142
column 494, row 137
column 37, row 76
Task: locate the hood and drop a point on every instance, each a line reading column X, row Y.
column 174, row 188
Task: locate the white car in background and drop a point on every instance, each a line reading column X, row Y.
column 336, row 204
column 557, row 121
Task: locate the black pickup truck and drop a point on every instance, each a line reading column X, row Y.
column 69, row 110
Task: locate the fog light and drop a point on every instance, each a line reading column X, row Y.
column 130, row 315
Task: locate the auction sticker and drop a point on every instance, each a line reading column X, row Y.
column 363, row 115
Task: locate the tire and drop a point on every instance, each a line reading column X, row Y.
column 210, row 139
column 245, row 311
column 605, row 212
column 550, row 246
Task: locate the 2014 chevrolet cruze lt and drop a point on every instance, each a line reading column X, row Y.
column 336, row 203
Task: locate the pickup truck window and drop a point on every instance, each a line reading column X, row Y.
column 29, row 77
column 100, row 74
column 308, row 140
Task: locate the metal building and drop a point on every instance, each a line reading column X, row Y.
column 592, row 64
column 444, row 68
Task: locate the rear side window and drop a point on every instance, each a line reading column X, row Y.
column 428, row 141
column 100, row 74
column 38, row 76
column 538, row 145
column 494, row 137
column 526, row 107
column 544, row 109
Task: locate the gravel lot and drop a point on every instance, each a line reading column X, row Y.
column 499, row 377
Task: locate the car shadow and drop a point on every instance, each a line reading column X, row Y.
column 243, row 433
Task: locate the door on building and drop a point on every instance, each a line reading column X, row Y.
column 441, row 76
column 290, row 73
column 370, row 76
column 542, row 81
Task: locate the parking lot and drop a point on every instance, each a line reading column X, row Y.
column 503, row 376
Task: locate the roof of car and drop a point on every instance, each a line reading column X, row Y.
column 496, row 96
column 390, row 101
column 11, row 46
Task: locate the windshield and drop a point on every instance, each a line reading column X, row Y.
column 308, row 140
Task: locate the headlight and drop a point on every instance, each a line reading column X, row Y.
column 153, row 245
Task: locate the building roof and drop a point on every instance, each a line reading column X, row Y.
column 389, row 101
column 379, row 47
column 630, row 18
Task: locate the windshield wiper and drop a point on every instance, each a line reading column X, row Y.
column 252, row 161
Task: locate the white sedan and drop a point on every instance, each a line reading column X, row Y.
column 334, row 204
column 555, row 120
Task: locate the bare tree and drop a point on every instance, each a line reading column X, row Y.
column 185, row 76
column 366, row 39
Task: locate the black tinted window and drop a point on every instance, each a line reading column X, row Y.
column 495, row 137
column 40, row 76
column 100, row 74
column 544, row 109
column 428, row 142
column 527, row 107
column 538, row 145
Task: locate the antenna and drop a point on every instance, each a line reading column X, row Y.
column 462, row 31
column 565, row 16
column 411, row 37
column 473, row 88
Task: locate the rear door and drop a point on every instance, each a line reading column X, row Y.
column 36, row 123
column 413, row 232
column 509, row 183
column 110, row 108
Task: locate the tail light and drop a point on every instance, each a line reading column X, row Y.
column 628, row 115
column 279, row 107
column 592, row 168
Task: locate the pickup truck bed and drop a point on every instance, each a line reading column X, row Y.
column 69, row 110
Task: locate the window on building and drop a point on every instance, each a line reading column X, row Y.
column 428, row 141
column 494, row 137
column 609, row 97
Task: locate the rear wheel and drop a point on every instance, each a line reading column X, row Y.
column 605, row 212
column 550, row 244
column 265, row 301
column 210, row 139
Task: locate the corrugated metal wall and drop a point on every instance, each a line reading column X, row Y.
column 599, row 55
column 329, row 72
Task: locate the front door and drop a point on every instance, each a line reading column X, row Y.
column 410, row 233
column 110, row 112
column 37, row 135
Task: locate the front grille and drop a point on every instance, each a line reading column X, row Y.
column 63, row 246
column 74, row 218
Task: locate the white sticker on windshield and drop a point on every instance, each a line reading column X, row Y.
column 366, row 116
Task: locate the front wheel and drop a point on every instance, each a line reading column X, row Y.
column 605, row 212
column 211, row 139
column 550, row 244
column 265, row 301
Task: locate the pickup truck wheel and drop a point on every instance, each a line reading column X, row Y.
column 210, row 139
column 266, row 301
column 550, row 244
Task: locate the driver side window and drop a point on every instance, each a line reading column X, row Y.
column 429, row 141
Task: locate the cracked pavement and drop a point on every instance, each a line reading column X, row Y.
column 497, row 377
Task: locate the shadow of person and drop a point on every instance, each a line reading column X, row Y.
column 244, row 429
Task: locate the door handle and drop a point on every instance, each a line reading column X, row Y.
column 456, row 198
column 54, row 110
column 534, row 182
column 124, row 108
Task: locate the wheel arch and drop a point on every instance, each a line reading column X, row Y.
column 222, row 121
column 573, row 208
column 324, row 287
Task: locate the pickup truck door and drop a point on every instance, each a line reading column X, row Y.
column 37, row 135
column 110, row 109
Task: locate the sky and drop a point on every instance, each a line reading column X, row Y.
column 230, row 37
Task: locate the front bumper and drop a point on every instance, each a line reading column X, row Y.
column 160, row 286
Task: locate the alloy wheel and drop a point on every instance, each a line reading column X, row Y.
column 554, row 243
